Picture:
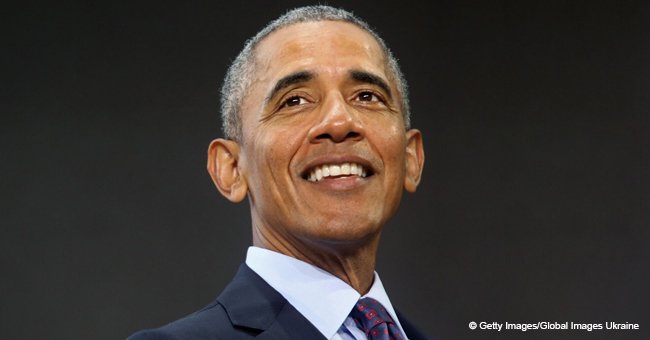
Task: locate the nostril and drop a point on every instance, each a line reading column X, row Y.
column 350, row 135
column 353, row 135
column 324, row 136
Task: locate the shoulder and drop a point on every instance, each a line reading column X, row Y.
column 231, row 316
column 211, row 322
column 412, row 331
column 248, row 307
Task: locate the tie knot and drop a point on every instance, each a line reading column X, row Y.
column 372, row 318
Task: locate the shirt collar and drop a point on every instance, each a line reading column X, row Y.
column 322, row 298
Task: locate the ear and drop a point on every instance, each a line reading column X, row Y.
column 414, row 160
column 223, row 166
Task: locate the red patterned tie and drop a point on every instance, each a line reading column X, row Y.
column 372, row 318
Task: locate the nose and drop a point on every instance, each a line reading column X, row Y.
column 337, row 122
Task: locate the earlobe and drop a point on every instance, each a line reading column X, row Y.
column 414, row 160
column 223, row 166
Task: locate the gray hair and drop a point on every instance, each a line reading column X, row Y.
column 240, row 74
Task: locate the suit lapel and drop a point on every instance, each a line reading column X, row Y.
column 251, row 303
column 290, row 324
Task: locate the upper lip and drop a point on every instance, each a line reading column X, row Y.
column 337, row 159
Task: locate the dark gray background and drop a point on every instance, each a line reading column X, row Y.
column 535, row 202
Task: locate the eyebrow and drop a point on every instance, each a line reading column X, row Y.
column 372, row 79
column 291, row 79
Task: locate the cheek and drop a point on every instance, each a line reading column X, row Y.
column 394, row 158
column 270, row 153
column 392, row 147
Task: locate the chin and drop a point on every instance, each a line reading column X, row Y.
column 346, row 231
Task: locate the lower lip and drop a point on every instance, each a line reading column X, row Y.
column 341, row 183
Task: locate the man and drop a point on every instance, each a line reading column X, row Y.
column 317, row 137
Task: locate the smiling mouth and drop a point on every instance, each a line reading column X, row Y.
column 324, row 171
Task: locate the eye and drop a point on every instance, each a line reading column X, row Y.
column 294, row 101
column 367, row 96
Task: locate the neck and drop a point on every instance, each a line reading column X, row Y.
column 351, row 261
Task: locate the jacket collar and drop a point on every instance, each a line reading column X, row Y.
column 250, row 302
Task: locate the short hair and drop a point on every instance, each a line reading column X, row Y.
column 240, row 73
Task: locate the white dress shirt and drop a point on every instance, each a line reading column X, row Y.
column 322, row 298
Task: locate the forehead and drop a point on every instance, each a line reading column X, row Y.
column 319, row 46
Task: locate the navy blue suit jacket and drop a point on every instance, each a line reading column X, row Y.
column 247, row 308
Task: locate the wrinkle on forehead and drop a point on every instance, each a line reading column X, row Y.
column 316, row 37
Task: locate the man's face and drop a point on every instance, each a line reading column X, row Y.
column 325, row 153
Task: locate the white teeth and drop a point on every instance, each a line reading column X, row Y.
column 345, row 169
